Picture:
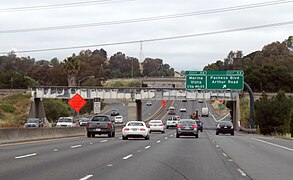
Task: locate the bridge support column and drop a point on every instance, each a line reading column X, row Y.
column 37, row 110
column 236, row 113
column 135, row 110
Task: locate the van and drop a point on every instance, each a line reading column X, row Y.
column 204, row 112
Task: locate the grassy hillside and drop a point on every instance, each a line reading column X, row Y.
column 14, row 109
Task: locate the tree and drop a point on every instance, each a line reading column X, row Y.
column 71, row 68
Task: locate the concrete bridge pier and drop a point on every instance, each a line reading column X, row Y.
column 135, row 110
column 37, row 110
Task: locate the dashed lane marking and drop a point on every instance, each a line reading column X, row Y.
column 103, row 141
column 166, row 137
column 86, row 177
column 129, row 156
column 75, row 146
column 241, row 172
column 158, row 141
column 147, row 147
column 24, row 156
column 224, row 154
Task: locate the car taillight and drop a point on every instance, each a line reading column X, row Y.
column 142, row 129
column 180, row 126
column 149, row 125
column 126, row 129
column 109, row 125
column 194, row 126
column 87, row 125
column 161, row 124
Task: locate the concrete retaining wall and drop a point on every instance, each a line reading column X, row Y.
column 10, row 135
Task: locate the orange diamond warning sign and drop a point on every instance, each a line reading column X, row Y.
column 77, row 102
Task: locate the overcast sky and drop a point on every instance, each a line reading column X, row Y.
column 192, row 53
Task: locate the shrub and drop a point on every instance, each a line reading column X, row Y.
column 55, row 109
column 9, row 108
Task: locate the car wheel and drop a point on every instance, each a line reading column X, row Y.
column 113, row 134
column 88, row 135
column 93, row 135
column 163, row 132
column 177, row 136
column 201, row 130
column 217, row 133
column 196, row 136
column 147, row 138
column 150, row 131
column 167, row 127
column 124, row 138
column 232, row 134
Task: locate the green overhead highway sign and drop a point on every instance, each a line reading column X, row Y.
column 214, row 80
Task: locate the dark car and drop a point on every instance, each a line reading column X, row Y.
column 33, row 122
column 114, row 112
column 186, row 127
column 199, row 125
column 83, row 121
column 225, row 127
column 100, row 124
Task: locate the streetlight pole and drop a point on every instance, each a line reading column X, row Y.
column 79, row 81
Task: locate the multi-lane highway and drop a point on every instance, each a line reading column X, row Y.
column 242, row 156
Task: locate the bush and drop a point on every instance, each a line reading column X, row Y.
column 9, row 108
column 55, row 109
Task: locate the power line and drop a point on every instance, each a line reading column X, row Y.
column 154, row 18
column 62, row 5
column 156, row 39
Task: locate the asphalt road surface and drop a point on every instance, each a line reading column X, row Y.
column 242, row 156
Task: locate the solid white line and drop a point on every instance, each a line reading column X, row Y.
column 241, row 172
column 224, row 154
column 126, row 157
column 86, row 177
column 158, row 141
column 103, row 141
column 230, row 160
column 147, row 147
column 75, row 146
column 283, row 147
column 24, row 156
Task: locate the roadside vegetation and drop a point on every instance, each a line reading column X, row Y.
column 14, row 109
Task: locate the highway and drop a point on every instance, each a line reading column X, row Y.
column 243, row 156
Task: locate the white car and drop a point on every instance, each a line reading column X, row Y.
column 118, row 119
column 65, row 122
column 156, row 125
column 149, row 103
column 135, row 129
column 182, row 109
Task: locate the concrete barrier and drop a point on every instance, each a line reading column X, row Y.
column 13, row 135
column 10, row 135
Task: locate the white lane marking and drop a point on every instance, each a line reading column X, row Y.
column 110, row 165
column 231, row 160
column 171, row 135
column 241, row 172
column 86, row 177
column 24, row 156
column 75, row 146
column 217, row 145
column 158, row 141
column 224, row 154
column 283, row 147
column 55, row 150
column 147, row 147
column 126, row 157
column 91, row 142
column 166, row 137
column 103, row 141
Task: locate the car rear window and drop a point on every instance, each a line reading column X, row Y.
column 225, row 123
column 135, row 124
column 100, row 118
column 187, row 122
column 155, row 121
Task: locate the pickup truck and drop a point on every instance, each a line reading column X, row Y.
column 100, row 124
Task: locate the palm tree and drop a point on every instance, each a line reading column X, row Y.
column 71, row 68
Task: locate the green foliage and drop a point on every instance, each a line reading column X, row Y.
column 55, row 109
column 9, row 108
column 273, row 115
